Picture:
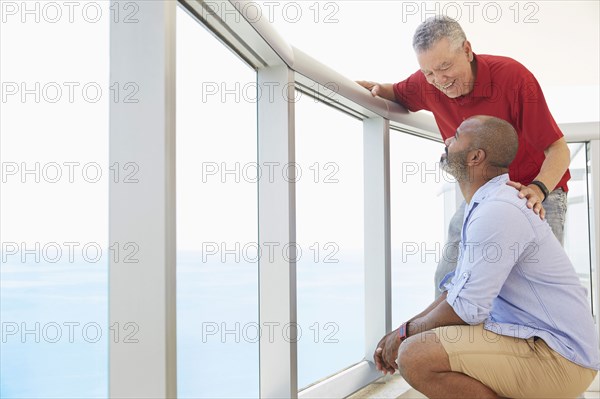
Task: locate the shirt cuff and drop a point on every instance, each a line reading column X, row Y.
column 446, row 284
column 466, row 310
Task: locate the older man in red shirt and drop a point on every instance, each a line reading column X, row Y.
column 454, row 83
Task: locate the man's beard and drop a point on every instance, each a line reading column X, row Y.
column 455, row 164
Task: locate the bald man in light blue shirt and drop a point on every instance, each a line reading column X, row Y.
column 514, row 320
column 533, row 290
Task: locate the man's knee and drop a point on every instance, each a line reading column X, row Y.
column 408, row 359
column 421, row 355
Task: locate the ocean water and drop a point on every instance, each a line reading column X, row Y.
column 55, row 330
column 218, row 325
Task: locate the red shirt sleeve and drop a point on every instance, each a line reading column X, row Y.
column 408, row 92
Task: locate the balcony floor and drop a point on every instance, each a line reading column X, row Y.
column 394, row 387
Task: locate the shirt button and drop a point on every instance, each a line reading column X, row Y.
column 465, row 275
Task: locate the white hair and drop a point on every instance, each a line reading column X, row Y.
column 435, row 28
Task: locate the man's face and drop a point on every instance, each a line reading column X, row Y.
column 454, row 161
column 447, row 68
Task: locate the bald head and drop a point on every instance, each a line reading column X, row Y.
column 495, row 136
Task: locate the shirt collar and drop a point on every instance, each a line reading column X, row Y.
column 479, row 196
column 483, row 191
column 483, row 80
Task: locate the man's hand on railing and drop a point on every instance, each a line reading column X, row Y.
column 385, row 90
column 386, row 353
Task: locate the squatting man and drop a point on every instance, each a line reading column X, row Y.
column 513, row 324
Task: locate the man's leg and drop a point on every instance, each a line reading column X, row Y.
column 424, row 364
column 449, row 255
column 556, row 209
column 437, row 362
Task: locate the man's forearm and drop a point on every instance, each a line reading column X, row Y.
column 432, row 306
column 558, row 158
column 387, row 91
column 441, row 315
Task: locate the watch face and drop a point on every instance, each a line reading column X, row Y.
column 402, row 331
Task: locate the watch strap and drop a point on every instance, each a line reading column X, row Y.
column 542, row 187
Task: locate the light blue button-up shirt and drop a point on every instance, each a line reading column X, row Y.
column 514, row 276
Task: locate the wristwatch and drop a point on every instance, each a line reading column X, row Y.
column 542, row 187
column 403, row 331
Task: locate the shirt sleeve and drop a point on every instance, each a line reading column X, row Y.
column 496, row 236
column 447, row 282
column 409, row 92
column 534, row 118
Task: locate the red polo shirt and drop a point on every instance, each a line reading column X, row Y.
column 503, row 88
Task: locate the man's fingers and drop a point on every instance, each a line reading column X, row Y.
column 385, row 364
column 385, row 359
column 533, row 201
column 390, row 359
column 514, row 184
column 380, row 363
column 375, row 90
column 535, row 204
column 531, row 204
column 378, row 355
column 378, row 359
column 391, row 363
column 373, row 87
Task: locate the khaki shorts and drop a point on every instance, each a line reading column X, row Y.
column 513, row 367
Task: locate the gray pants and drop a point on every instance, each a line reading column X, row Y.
column 556, row 209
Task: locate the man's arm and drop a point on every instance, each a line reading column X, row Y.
column 558, row 158
column 438, row 314
column 385, row 90
column 471, row 296
column 540, row 130
column 432, row 306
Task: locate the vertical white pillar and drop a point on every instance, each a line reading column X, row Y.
column 142, row 355
column 378, row 287
column 594, row 212
column 277, row 232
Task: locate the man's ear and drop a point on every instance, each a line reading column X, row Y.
column 476, row 157
column 468, row 50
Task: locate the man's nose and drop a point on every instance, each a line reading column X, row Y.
column 449, row 141
column 440, row 78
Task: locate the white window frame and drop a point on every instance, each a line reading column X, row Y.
column 142, row 213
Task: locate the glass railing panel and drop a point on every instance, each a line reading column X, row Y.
column 419, row 193
column 54, row 200
column 330, row 239
column 577, row 234
column 217, row 262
